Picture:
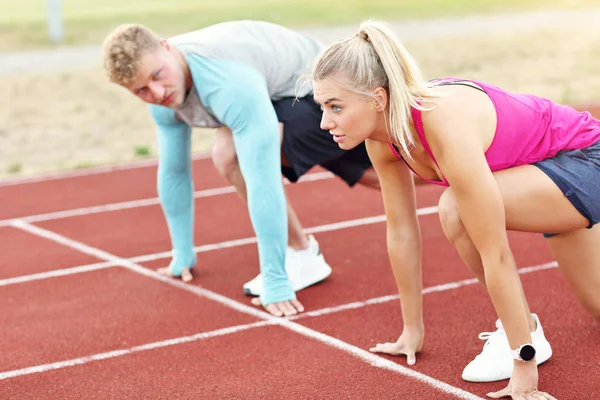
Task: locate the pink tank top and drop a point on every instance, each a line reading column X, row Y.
column 528, row 129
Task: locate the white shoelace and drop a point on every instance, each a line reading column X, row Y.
column 489, row 336
column 313, row 249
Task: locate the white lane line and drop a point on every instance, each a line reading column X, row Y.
column 103, row 255
column 239, row 328
column 56, row 273
column 125, row 205
column 437, row 288
column 142, row 202
column 91, row 171
column 136, row 349
column 198, row 249
column 251, row 240
column 203, row 248
column 370, row 358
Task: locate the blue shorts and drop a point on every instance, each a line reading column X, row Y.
column 577, row 174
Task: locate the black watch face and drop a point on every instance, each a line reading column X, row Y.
column 527, row 352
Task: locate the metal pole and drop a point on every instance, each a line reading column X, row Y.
column 55, row 21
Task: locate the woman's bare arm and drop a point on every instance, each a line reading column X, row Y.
column 403, row 233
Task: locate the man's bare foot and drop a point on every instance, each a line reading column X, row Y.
column 186, row 274
column 283, row 308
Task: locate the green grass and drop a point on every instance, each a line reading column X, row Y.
column 82, row 165
column 142, row 151
column 15, row 168
column 23, row 22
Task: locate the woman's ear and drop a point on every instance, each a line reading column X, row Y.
column 381, row 99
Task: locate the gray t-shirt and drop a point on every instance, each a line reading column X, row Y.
column 280, row 56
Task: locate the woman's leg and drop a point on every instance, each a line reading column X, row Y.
column 533, row 203
column 578, row 256
column 457, row 235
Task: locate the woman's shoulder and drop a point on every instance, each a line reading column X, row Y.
column 454, row 103
column 381, row 152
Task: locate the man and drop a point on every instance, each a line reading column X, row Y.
column 239, row 77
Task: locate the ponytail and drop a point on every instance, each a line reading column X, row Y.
column 374, row 58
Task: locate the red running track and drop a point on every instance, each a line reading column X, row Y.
column 84, row 317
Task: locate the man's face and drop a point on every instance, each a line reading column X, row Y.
column 160, row 78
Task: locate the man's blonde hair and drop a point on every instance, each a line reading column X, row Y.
column 123, row 49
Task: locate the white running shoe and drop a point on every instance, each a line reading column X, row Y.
column 495, row 362
column 304, row 268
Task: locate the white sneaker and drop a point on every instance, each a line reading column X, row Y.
column 495, row 362
column 303, row 267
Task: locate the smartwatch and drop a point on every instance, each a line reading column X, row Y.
column 524, row 353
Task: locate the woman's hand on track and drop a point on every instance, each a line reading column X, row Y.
column 408, row 344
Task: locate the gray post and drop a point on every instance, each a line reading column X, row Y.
column 55, row 21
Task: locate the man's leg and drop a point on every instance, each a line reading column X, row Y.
column 352, row 166
column 296, row 237
column 225, row 160
column 370, row 179
column 305, row 265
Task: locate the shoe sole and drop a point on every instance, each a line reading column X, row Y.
column 321, row 278
column 248, row 291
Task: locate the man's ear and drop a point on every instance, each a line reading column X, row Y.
column 165, row 44
column 381, row 99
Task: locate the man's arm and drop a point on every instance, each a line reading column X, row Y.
column 237, row 95
column 175, row 186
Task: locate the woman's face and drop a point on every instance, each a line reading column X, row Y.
column 350, row 117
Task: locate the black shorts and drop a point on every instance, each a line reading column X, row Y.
column 305, row 144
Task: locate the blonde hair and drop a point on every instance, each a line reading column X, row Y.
column 123, row 49
column 373, row 58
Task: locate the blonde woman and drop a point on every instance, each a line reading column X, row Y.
column 510, row 161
